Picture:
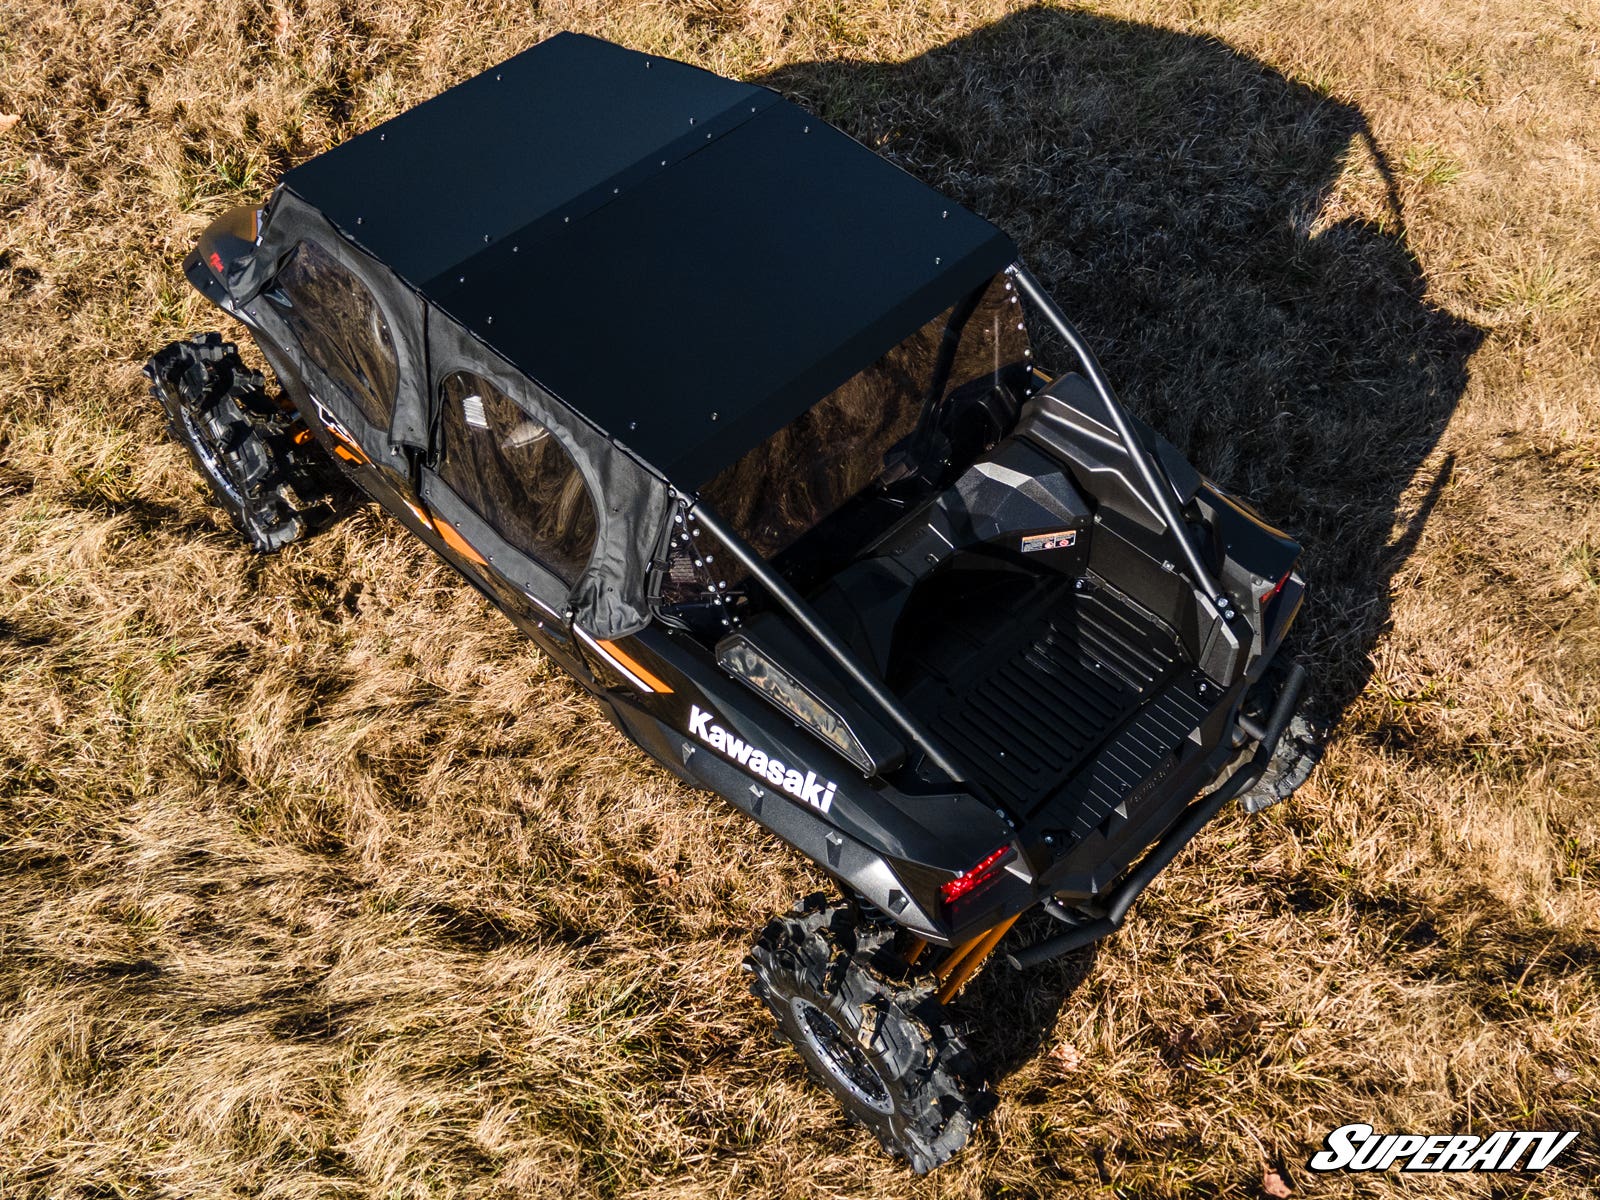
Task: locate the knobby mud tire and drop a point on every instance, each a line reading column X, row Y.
column 275, row 489
column 881, row 1044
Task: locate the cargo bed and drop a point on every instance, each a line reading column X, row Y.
column 1063, row 698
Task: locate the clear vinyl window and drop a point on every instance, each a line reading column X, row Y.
column 514, row 474
column 340, row 328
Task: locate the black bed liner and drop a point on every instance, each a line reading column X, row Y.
column 1063, row 715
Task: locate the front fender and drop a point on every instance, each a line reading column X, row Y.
column 228, row 240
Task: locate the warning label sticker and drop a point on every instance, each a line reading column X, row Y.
column 1049, row 541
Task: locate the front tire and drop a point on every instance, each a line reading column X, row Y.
column 259, row 468
column 883, row 1046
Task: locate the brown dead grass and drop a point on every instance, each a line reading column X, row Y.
column 316, row 880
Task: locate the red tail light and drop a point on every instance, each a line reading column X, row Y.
column 983, row 870
column 1270, row 596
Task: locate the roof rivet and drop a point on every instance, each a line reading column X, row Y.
column 708, row 137
column 807, row 129
column 491, row 320
column 566, row 220
column 497, row 79
column 461, row 278
column 647, row 64
column 714, row 416
column 486, row 237
column 945, row 215
column 514, row 249
column 359, row 220
column 691, row 120
column 937, row 261
column 633, row 425
column 614, row 191
column 1020, row 325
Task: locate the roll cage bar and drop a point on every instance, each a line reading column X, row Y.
column 1150, row 473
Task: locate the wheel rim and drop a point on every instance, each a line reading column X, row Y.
column 841, row 1056
column 209, row 462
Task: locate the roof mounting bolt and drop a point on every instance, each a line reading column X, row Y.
column 714, row 416
column 710, row 558
column 807, row 129
column 486, row 238
column 514, row 249
column 491, row 320
column 566, row 220
column 945, row 215
column 615, row 191
column 359, row 220
column 937, row 261
column 461, row 278
column 632, row 425
column 497, row 79
column 1027, row 354
column 1020, row 325
column 691, row 120
column 1008, row 285
column 383, row 137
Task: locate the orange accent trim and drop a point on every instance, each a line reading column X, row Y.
column 958, row 968
column 914, row 950
column 456, row 542
column 347, row 449
column 302, row 436
column 655, row 684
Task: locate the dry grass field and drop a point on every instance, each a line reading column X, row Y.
column 317, row 881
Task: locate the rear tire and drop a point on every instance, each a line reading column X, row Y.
column 259, row 466
column 884, row 1047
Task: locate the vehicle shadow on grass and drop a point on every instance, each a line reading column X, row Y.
column 1231, row 242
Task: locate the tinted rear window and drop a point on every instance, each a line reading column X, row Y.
column 810, row 468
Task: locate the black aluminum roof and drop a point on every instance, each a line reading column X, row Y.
column 686, row 261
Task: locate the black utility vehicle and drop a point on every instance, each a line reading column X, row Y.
column 741, row 423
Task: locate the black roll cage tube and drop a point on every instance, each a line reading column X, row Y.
column 1150, row 472
column 806, row 617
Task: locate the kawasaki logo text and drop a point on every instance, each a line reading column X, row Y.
column 806, row 787
column 1358, row 1148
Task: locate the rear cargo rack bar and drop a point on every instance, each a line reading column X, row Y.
column 1161, row 489
column 807, row 618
